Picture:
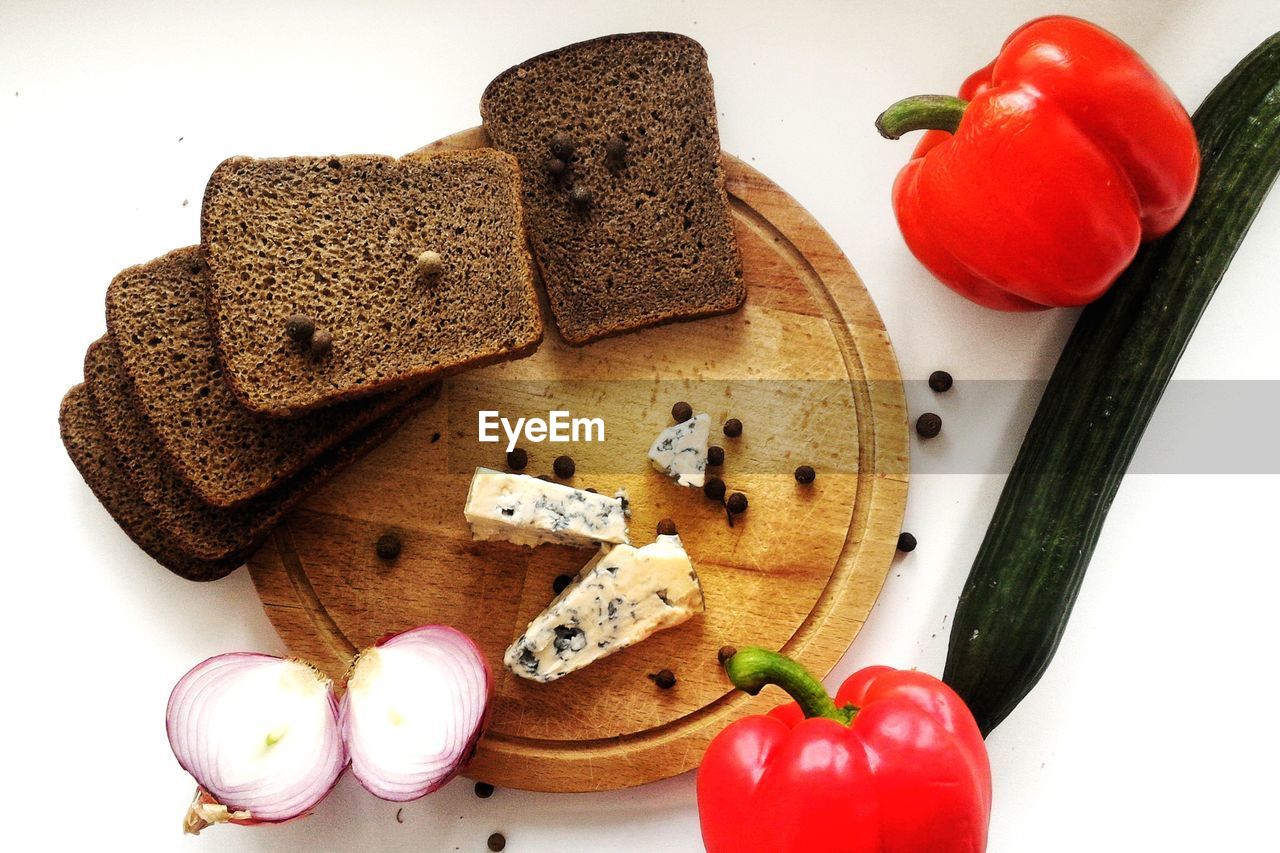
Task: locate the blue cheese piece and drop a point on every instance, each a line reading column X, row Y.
column 528, row 511
column 680, row 451
column 622, row 596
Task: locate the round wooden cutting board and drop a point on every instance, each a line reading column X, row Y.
column 805, row 364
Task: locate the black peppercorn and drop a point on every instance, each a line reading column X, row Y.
column 497, row 842
column 300, row 328
column 725, row 653
column 562, row 147
column 737, row 503
column 906, row 542
column 321, row 343
column 805, row 474
column 940, row 381
column 681, row 412
column 665, row 679
column 555, row 167
column 435, row 436
column 666, row 527
column 564, row 467
column 715, row 455
column 733, row 427
column 484, row 790
column 388, row 547
column 561, row 583
column 714, row 488
column 518, row 459
column 928, row 425
column 580, row 196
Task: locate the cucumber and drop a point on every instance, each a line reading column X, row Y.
column 1112, row 373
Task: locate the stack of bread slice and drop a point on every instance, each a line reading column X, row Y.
column 203, row 417
column 328, row 293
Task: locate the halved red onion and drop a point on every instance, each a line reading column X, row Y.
column 415, row 706
column 261, row 736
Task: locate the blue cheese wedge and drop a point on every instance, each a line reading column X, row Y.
column 622, row 596
column 680, row 451
column 528, row 511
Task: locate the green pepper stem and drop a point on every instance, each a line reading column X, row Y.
column 921, row 112
column 752, row 668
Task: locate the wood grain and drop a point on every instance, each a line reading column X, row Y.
column 808, row 368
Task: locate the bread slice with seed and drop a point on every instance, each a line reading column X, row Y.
column 91, row 453
column 157, row 318
column 199, row 530
column 629, row 222
column 338, row 240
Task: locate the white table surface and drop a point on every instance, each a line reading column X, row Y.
column 1154, row 727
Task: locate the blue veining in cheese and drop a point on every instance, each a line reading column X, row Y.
column 680, row 451
column 528, row 511
column 622, row 596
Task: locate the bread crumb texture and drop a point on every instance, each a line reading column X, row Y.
column 656, row 241
column 338, row 239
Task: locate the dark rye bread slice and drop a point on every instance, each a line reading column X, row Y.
column 337, row 239
column 91, row 453
column 202, row 531
column 656, row 241
column 156, row 316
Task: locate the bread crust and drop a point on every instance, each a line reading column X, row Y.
column 199, row 531
column 93, row 458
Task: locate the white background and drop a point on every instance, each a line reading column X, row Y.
column 1154, row 728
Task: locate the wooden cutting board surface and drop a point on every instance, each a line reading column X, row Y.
column 808, row 368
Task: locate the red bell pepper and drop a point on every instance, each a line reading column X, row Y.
column 1034, row 188
column 895, row 764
